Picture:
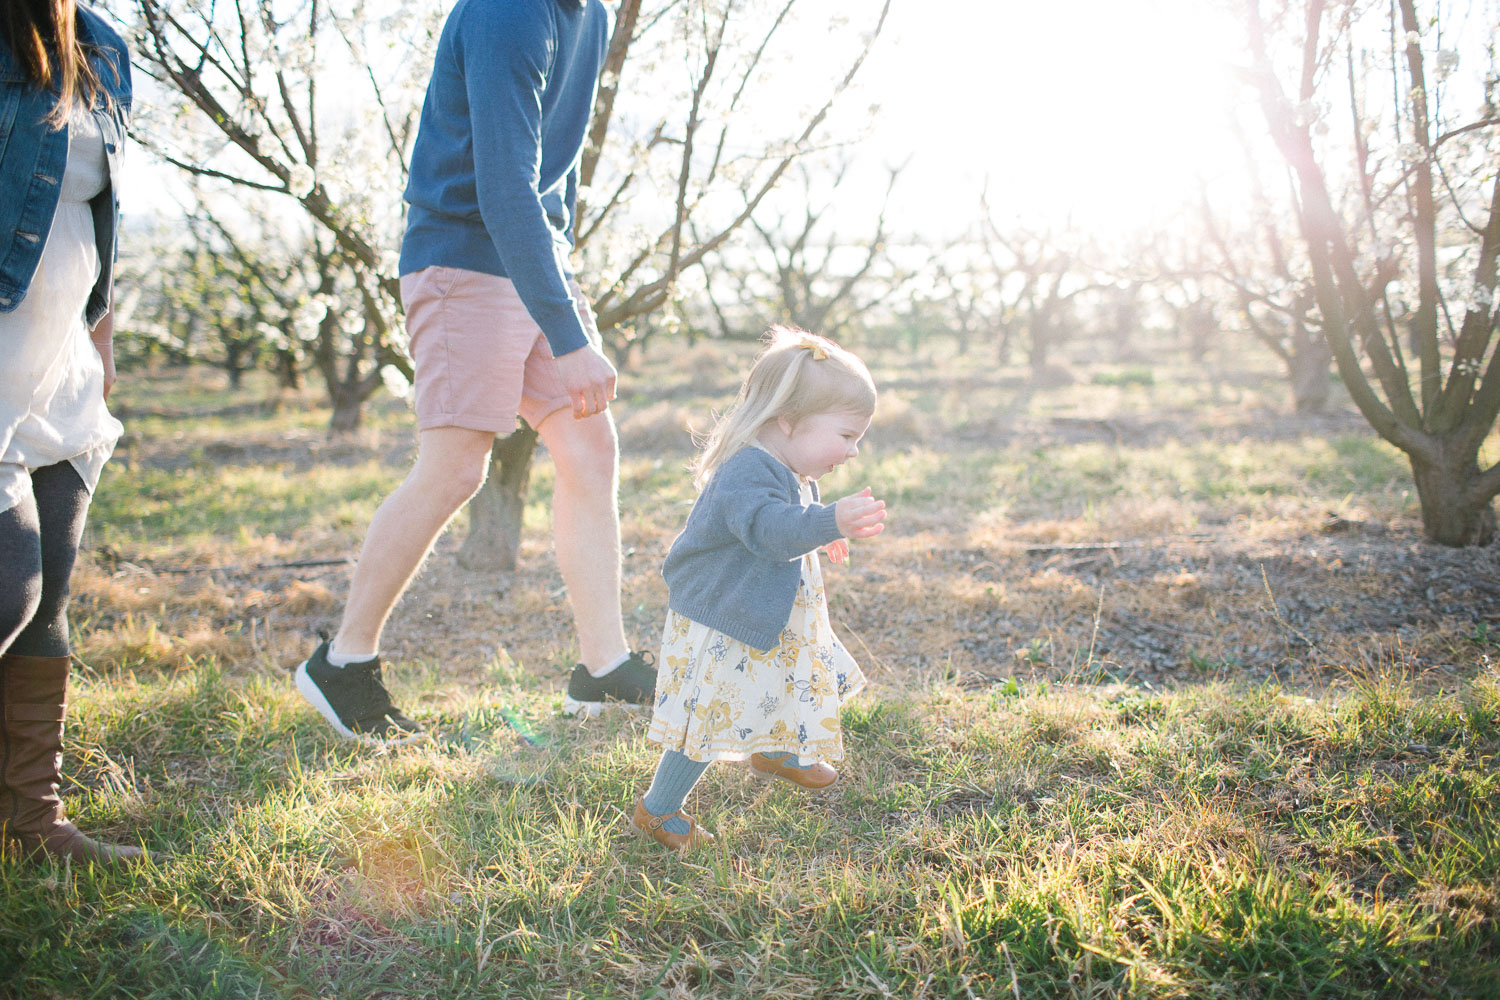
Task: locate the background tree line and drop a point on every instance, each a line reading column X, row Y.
column 1363, row 248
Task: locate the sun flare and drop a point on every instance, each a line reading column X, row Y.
column 1103, row 112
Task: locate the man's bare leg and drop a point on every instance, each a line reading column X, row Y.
column 342, row 679
column 450, row 467
column 586, row 529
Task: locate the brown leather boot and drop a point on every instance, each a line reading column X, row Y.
column 33, row 700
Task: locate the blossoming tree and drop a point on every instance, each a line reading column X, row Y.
column 293, row 132
column 1399, row 207
column 314, row 103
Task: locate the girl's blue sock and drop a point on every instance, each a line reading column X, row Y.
column 675, row 777
column 787, row 759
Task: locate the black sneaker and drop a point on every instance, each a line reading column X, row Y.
column 632, row 683
column 354, row 701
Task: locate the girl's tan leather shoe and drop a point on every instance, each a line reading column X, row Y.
column 815, row 778
column 653, row 827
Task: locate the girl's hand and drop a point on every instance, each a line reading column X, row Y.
column 859, row 515
column 838, row 550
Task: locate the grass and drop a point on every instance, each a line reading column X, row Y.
column 1221, row 840
column 1136, row 728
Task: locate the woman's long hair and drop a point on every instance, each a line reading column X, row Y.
column 797, row 375
column 43, row 34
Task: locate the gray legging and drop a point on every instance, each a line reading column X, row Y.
column 38, row 542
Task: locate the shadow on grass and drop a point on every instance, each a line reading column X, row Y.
column 1173, row 844
column 110, row 944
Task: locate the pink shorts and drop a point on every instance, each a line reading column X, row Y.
column 480, row 358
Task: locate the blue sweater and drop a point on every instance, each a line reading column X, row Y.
column 736, row 565
column 494, row 169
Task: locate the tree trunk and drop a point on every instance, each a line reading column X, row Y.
column 348, row 412
column 1448, row 518
column 1006, row 342
column 234, row 363
column 1040, row 329
column 496, row 511
column 1307, row 369
column 288, row 374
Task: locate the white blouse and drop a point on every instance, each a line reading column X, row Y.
column 51, row 378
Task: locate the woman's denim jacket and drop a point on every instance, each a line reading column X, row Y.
column 33, row 156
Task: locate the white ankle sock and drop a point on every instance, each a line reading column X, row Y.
column 612, row 664
column 337, row 658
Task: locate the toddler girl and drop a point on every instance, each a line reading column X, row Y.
column 750, row 667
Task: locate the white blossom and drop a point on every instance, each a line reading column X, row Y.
column 395, row 383
column 1481, row 299
column 300, row 181
column 1413, row 38
column 309, row 315
column 390, row 263
column 271, row 334
column 1411, row 152
column 1445, row 63
column 1306, row 113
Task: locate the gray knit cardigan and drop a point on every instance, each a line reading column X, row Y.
column 736, row 565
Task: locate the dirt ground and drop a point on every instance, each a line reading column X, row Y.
column 1307, row 596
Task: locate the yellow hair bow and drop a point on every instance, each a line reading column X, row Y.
column 819, row 352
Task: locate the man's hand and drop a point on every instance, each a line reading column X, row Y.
column 859, row 515
column 590, row 380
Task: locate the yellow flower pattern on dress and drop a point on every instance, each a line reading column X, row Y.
column 757, row 656
column 677, row 666
column 808, row 598
column 714, row 718
column 719, row 699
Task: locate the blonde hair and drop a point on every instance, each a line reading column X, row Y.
column 799, row 374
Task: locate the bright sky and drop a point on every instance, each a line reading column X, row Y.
column 1108, row 109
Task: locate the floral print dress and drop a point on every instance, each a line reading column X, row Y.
column 720, row 699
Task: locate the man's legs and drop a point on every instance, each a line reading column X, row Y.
column 450, row 467
column 586, row 533
column 341, row 679
column 586, row 529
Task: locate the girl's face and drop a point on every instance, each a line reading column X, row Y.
column 819, row 443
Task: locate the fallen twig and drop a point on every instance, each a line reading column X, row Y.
column 188, row 570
